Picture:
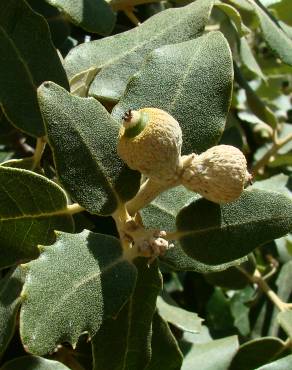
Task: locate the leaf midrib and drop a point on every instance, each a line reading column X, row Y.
column 97, row 163
column 155, row 37
column 60, row 212
column 182, row 234
column 84, row 281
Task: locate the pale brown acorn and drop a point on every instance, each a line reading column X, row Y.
column 219, row 174
column 150, row 141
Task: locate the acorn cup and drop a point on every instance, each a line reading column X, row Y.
column 150, row 141
column 219, row 174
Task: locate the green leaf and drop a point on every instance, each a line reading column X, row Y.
column 285, row 320
column 26, row 62
column 215, row 234
column 91, row 15
column 256, row 105
column 284, row 281
column 286, row 129
column 278, row 183
column 180, row 318
column 282, row 364
column 24, row 163
column 232, row 277
column 77, row 274
column 219, row 316
column 33, row 363
column 249, row 60
column 161, row 214
column 10, row 288
column 7, row 131
column 165, row 351
column 83, row 137
column 167, row 81
column 79, row 84
column 281, row 160
column 278, row 41
column 284, row 248
column 31, row 208
column 5, row 156
column 239, row 308
column 216, row 353
column 59, row 27
column 234, row 16
column 18, row 87
column 125, row 341
column 256, row 352
column 283, row 10
column 241, row 4
column 120, row 56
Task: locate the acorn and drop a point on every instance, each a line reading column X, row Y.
column 150, row 141
column 219, row 174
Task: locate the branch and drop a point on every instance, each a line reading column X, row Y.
column 39, row 149
column 257, row 279
column 149, row 190
column 277, row 144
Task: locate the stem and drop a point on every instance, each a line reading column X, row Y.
column 130, row 14
column 39, row 149
column 121, row 217
column 149, row 190
column 257, row 278
column 277, row 144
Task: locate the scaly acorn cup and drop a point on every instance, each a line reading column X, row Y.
column 219, row 174
column 150, row 141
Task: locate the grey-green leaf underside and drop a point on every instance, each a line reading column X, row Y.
column 180, row 318
column 205, row 355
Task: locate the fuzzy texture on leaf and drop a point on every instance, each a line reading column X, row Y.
column 132, row 328
column 69, row 288
column 192, row 81
column 31, row 208
column 216, row 234
column 121, row 55
column 83, row 137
